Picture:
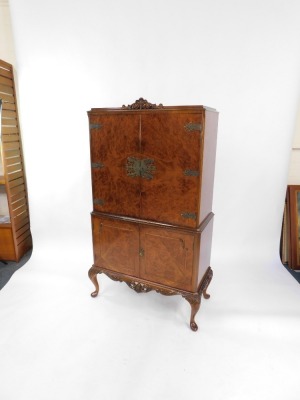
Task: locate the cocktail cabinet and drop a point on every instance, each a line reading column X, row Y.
column 152, row 173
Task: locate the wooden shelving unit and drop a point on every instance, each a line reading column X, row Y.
column 290, row 237
column 15, row 235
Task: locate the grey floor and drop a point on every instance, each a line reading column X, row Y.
column 57, row 342
column 8, row 268
column 295, row 274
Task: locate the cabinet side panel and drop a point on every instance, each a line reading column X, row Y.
column 208, row 163
column 205, row 250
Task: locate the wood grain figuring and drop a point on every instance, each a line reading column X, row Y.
column 152, row 173
column 167, row 258
column 174, row 150
column 111, row 145
column 116, row 245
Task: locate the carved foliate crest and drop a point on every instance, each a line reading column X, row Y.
column 141, row 104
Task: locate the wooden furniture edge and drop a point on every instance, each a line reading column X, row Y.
column 200, row 229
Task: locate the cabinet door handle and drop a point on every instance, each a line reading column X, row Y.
column 143, row 168
column 141, row 252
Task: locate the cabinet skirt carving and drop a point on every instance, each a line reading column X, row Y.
column 140, row 286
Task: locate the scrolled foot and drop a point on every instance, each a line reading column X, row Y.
column 194, row 326
column 93, row 277
column 206, row 282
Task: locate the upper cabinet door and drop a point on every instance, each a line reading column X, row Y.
column 114, row 143
column 172, row 142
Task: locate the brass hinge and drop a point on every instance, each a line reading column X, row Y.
column 96, row 126
column 97, row 165
column 189, row 172
column 191, row 126
column 188, row 215
column 99, row 202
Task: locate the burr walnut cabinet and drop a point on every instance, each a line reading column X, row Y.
column 152, row 178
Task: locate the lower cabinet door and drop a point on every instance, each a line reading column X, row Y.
column 116, row 245
column 166, row 257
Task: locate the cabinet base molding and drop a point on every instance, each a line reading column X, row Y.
column 141, row 286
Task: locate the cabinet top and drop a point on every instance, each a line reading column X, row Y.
column 144, row 106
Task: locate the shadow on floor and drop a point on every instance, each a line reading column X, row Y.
column 295, row 274
column 8, row 268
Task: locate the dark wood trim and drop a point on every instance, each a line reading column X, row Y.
column 200, row 229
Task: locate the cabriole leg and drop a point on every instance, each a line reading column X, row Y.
column 195, row 301
column 207, row 282
column 93, row 277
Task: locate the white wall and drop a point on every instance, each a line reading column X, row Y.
column 6, row 54
column 240, row 57
column 6, row 40
column 294, row 168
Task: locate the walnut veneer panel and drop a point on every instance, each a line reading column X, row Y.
column 180, row 189
column 167, row 257
column 176, row 151
column 116, row 245
column 114, row 138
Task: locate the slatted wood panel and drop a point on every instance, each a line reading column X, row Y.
column 14, row 174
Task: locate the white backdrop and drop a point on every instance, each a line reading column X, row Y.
column 241, row 57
